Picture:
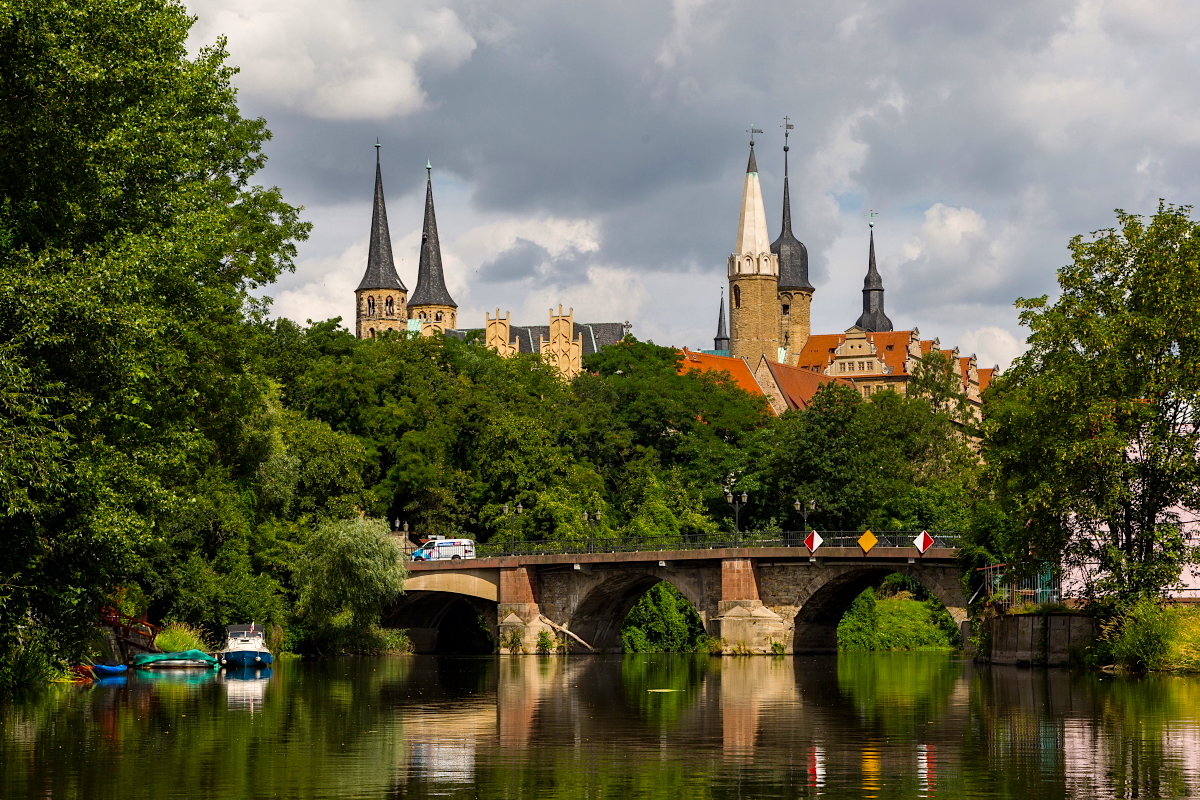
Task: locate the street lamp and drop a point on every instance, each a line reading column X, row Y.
column 591, row 520
column 804, row 509
column 733, row 500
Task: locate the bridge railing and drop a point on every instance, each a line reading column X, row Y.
column 639, row 544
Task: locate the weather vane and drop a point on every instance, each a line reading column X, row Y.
column 753, row 130
column 787, row 128
column 871, row 215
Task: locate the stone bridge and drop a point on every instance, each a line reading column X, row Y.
column 751, row 599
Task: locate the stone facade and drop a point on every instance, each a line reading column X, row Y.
column 795, row 312
column 379, row 310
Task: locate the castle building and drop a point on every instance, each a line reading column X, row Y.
column 383, row 304
column 770, row 302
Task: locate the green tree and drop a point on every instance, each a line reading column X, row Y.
column 350, row 571
column 662, row 621
column 890, row 462
column 130, row 242
column 1092, row 437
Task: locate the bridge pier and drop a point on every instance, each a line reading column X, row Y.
column 743, row 624
column 519, row 612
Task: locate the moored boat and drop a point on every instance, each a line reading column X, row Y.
column 184, row 659
column 245, row 647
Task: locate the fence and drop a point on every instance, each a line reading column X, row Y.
column 635, row 544
column 1002, row 586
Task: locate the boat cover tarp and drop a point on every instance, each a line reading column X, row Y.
column 145, row 659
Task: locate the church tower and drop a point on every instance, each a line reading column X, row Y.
column 380, row 296
column 431, row 302
column 873, row 318
column 754, row 314
column 795, row 290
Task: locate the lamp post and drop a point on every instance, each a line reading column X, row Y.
column 804, row 510
column 733, row 500
column 511, row 518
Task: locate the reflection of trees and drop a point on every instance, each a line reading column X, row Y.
column 895, row 695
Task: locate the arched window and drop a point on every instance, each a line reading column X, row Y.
column 370, row 306
column 422, row 315
column 437, row 317
column 389, row 307
column 372, row 332
column 737, row 297
column 786, row 309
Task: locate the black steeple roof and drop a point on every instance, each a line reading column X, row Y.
column 753, row 165
column 873, row 318
column 721, row 342
column 793, row 255
column 431, row 283
column 381, row 270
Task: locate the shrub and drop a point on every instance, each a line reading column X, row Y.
column 1141, row 637
column 178, row 636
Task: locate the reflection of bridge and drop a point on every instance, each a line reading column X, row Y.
column 760, row 597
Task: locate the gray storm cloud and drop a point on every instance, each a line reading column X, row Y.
column 985, row 135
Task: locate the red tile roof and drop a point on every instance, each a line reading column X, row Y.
column 985, row 378
column 818, row 350
column 799, row 385
column 736, row 367
column 817, row 353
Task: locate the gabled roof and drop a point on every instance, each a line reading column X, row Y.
column 528, row 338
column 797, row 386
column 818, row 350
column 985, row 377
column 737, row 367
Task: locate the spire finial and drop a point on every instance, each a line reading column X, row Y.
column 752, row 130
column 429, row 169
column 871, row 215
column 752, row 166
column 377, row 146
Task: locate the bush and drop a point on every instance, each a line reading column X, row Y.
column 178, row 636
column 1150, row 636
column 662, row 621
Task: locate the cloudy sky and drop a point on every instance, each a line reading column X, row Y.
column 591, row 154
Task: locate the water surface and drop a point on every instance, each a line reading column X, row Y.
column 884, row 725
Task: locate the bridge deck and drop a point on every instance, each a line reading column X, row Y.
column 767, row 554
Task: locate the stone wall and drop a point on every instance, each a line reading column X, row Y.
column 1052, row 640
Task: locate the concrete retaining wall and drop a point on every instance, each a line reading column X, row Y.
column 1051, row 640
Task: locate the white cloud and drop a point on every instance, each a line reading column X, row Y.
column 335, row 59
column 992, row 346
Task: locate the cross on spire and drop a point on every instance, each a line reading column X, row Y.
column 752, row 130
column 871, row 215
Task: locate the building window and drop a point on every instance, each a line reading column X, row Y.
column 862, row 367
column 737, row 297
column 841, row 366
column 786, row 309
column 372, row 332
column 370, row 306
column 437, row 317
column 389, row 307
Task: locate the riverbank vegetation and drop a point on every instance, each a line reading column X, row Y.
column 898, row 614
column 1091, row 436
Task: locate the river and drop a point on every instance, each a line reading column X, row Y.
column 872, row 725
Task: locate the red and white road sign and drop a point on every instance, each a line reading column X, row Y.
column 813, row 541
column 923, row 541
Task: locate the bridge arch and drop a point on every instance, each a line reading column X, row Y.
column 603, row 606
column 425, row 613
column 832, row 592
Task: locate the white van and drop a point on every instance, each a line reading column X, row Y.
column 445, row 550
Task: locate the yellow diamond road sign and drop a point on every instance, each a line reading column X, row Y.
column 867, row 541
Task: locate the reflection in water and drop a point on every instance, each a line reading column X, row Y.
column 245, row 687
column 862, row 725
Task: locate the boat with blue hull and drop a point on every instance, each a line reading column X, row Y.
column 245, row 647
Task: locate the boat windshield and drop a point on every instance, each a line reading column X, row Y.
column 243, row 631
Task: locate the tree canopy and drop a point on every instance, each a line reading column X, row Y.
column 1092, row 437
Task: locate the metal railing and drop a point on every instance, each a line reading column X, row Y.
column 639, row 544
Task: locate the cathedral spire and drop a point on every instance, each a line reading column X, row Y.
column 873, row 318
column 431, row 283
column 793, row 255
column 381, row 269
column 721, row 342
column 752, row 225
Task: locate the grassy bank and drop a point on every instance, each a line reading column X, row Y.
column 1151, row 636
